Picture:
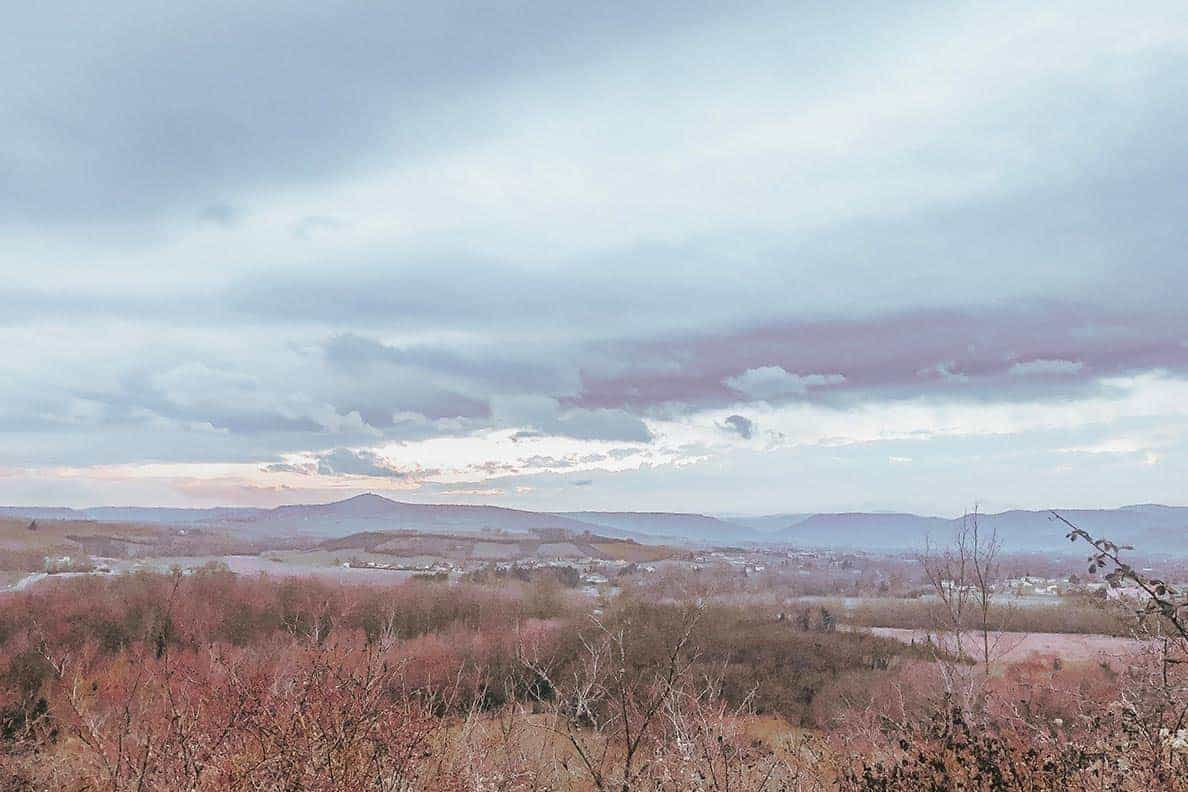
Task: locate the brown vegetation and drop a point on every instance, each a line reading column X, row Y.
column 211, row 681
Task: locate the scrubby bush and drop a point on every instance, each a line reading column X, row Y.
column 214, row 681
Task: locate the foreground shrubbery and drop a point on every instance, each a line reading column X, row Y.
column 212, row 681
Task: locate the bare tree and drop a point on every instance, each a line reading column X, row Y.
column 984, row 551
column 965, row 577
column 608, row 710
column 657, row 719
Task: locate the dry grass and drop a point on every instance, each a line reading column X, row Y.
column 1016, row 647
column 22, row 549
column 632, row 552
column 15, row 534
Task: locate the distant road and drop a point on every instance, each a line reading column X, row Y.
column 28, row 580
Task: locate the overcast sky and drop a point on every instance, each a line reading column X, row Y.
column 703, row 256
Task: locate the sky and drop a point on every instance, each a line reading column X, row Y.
column 746, row 258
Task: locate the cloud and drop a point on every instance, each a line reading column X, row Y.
column 304, row 469
column 583, row 482
column 240, row 102
column 483, row 492
column 541, row 415
column 945, row 373
column 315, row 225
column 511, row 241
column 604, row 425
column 743, row 427
column 481, row 364
column 221, row 214
column 538, row 461
column 345, row 462
column 956, row 353
column 1041, row 367
column 773, row 382
column 526, row 434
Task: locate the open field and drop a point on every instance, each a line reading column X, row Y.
column 1016, row 647
column 1007, row 614
column 256, row 565
column 632, row 552
column 25, row 543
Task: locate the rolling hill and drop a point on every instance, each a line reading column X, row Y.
column 1151, row 528
column 861, row 530
column 668, row 525
column 767, row 523
column 376, row 513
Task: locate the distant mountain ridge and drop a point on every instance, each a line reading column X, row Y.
column 1152, row 528
column 694, row 527
column 370, row 512
column 863, row 530
column 164, row 515
column 767, row 523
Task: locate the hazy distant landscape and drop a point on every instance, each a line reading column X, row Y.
column 1150, row 525
column 396, row 540
column 783, row 646
column 574, row 396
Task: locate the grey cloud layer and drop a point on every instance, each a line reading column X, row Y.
column 133, row 110
column 345, row 462
column 351, row 390
column 1039, row 351
column 741, row 425
column 647, row 211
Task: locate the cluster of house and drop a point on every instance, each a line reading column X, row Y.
column 56, row 565
column 1128, row 594
column 1028, row 586
column 1033, row 586
column 592, row 572
column 739, row 561
column 806, row 560
column 431, row 568
column 1020, row 587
